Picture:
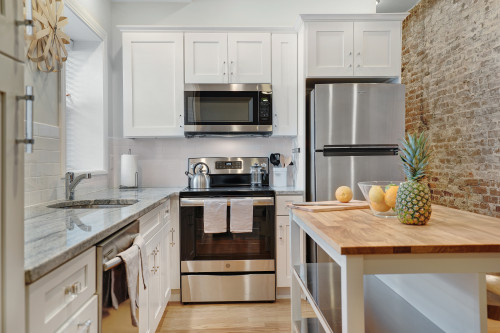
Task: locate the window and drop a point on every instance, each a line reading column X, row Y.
column 84, row 85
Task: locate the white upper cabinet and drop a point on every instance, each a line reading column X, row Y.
column 206, row 58
column 369, row 48
column 377, row 48
column 228, row 58
column 329, row 49
column 284, row 84
column 153, row 84
column 249, row 56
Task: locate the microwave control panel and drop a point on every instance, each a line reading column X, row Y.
column 265, row 111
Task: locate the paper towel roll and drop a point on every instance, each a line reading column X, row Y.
column 129, row 169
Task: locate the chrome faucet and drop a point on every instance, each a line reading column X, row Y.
column 71, row 182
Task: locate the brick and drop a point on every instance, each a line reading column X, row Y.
column 452, row 78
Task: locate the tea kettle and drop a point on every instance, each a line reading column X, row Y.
column 199, row 179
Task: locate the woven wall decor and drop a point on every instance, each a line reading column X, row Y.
column 47, row 44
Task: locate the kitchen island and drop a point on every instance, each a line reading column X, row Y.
column 434, row 274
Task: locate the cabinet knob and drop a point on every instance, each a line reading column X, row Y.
column 358, row 66
column 350, row 65
column 350, row 52
column 359, row 53
column 85, row 325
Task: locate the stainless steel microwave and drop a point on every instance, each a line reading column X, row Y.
column 228, row 109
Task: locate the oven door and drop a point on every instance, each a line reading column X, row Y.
column 197, row 245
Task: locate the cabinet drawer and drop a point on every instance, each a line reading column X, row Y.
column 166, row 211
column 58, row 295
column 150, row 223
column 283, row 200
column 84, row 321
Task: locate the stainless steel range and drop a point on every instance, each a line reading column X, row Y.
column 226, row 266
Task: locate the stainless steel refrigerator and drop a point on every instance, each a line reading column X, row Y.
column 353, row 135
column 353, row 130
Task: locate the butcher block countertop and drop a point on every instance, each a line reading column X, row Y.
column 449, row 230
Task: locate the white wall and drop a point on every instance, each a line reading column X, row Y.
column 163, row 161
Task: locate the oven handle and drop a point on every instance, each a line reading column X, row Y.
column 257, row 201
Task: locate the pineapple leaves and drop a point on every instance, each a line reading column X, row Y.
column 415, row 156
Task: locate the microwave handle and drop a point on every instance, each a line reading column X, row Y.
column 199, row 202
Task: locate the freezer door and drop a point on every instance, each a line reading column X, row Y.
column 358, row 113
column 334, row 171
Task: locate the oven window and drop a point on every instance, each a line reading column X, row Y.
column 197, row 245
column 220, row 108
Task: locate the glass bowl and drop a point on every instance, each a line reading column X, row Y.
column 381, row 200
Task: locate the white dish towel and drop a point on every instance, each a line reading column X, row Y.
column 215, row 216
column 131, row 258
column 241, row 215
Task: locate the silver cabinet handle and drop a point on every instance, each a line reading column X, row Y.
column 74, row 289
column 172, row 230
column 29, row 98
column 281, row 231
column 224, row 67
column 86, row 325
column 28, row 20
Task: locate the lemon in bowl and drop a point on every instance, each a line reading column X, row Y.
column 381, row 196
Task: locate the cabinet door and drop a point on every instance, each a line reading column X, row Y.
column 282, row 252
column 165, row 264
column 153, row 84
column 206, row 57
column 249, row 56
column 284, row 83
column 154, row 287
column 377, row 48
column 329, row 49
column 12, row 35
column 173, row 241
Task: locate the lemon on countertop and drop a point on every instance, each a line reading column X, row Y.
column 343, row 194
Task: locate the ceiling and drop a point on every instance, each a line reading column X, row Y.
column 395, row 6
column 385, row 6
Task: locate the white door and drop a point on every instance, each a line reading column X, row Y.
column 205, row 57
column 11, row 42
column 329, row 49
column 165, row 263
column 284, row 83
column 11, row 196
column 153, row 84
column 154, row 286
column 377, row 48
column 249, row 56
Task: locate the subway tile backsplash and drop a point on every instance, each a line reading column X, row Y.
column 43, row 177
column 162, row 162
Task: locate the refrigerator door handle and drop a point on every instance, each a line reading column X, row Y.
column 360, row 150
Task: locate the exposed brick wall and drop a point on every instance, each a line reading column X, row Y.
column 451, row 69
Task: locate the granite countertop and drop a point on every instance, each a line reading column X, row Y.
column 57, row 235
column 287, row 190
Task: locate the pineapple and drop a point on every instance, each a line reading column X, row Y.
column 413, row 201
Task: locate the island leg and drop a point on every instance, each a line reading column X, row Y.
column 295, row 259
column 353, row 300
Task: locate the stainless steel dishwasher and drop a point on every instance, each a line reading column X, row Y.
column 113, row 320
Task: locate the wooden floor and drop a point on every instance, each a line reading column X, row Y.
column 225, row 318
column 238, row 317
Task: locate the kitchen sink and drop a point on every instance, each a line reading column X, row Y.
column 94, row 204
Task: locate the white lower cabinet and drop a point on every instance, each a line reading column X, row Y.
column 283, row 273
column 55, row 299
column 84, row 320
column 156, row 226
column 155, row 298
